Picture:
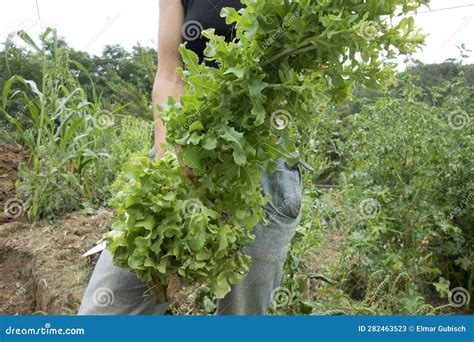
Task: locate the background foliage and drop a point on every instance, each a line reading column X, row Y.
column 393, row 176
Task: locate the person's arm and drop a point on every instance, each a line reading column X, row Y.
column 167, row 80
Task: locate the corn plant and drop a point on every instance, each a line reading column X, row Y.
column 62, row 134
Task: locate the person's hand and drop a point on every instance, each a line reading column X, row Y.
column 177, row 292
column 189, row 172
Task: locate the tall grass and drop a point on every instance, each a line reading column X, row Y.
column 61, row 131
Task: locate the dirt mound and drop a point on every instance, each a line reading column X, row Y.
column 16, row 285
column 11, row 157
column 42, row 267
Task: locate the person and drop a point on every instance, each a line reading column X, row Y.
column 116, row 291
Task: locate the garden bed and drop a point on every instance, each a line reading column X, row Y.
column 43, row 271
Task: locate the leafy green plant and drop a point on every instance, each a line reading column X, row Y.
column 233, row 123
column 407, row 171
column 61, row 133
column 130, row 136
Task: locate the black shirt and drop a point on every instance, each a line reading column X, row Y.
column 203, row 14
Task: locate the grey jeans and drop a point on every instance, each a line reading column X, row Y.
column 116, row 291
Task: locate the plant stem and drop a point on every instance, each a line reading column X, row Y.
column 305, row 46
column 37, row 160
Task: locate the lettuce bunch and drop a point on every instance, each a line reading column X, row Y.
column 233, row 122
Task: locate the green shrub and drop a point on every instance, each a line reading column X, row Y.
column 130, row 136
column 408, row 171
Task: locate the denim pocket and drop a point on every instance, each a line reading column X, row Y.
column 151, row 154
column 285, row 186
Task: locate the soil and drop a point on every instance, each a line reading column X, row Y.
column 10, row 158
column 333, row 244
column 41, row 265
column 15, row 287
column 43, row 271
